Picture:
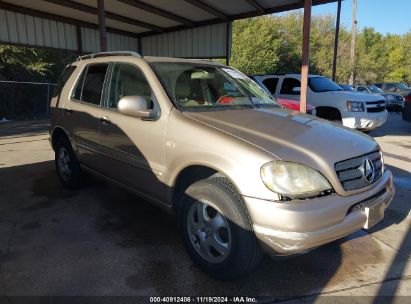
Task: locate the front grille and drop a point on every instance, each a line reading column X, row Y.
column 350, row 175
column 375, row 106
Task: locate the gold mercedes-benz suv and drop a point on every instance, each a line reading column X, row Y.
column 205, row 142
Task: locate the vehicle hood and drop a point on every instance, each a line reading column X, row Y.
column 353, row 96
column 290, row 135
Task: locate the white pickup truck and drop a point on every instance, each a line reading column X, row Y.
column 355, row 110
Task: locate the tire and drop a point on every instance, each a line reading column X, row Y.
column 226, row 224
column 67, row 165
column 335, row 117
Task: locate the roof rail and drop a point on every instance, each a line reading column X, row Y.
column 104, row 54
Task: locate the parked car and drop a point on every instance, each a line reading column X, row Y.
column 396, row 87
column 244, row 175
column 394, row 102
column 353, row 110
column 406, row 112
column 286, row 103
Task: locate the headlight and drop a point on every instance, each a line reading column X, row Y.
column 293, row 180
column 355, row 106
column 390, row 98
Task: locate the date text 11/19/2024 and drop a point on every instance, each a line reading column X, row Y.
column 235, row 299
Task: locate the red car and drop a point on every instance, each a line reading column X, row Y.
column 294, row 105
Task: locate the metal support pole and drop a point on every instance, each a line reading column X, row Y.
column 48, row 100
column 102, row 25
column 336, row 40
column 305, row 58
column 229, row 34
column 353, row 37
column 79, row 41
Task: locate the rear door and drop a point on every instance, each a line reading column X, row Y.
column 82, row 113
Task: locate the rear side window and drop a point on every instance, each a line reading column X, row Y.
column 288, row 85
column 90, row 84
column 362, row 89
column 65, row 75
column 271, row 84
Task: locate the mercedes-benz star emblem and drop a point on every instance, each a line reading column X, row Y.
column 367, row 169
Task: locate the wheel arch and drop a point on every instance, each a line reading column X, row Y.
column 191, row 174
column 57, row 133
column 326, row 111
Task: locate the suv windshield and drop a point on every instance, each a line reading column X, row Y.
column 322, row 84
column 198, row 86
column 347, row 87
column 375, row 89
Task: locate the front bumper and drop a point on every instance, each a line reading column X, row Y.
column 364, row 120
column 286, row 228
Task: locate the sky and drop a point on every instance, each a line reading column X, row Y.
column 385, row 16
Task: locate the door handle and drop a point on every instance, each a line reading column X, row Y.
column 68, row 110
column 105, row 120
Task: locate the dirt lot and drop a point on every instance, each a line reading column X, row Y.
column 104, row 241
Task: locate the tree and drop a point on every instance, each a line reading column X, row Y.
column 273, row 44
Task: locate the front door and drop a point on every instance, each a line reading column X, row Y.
column 133, row 151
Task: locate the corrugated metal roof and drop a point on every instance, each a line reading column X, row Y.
column 177, row 28
column 165, row 15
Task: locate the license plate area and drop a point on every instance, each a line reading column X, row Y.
column 375, row 214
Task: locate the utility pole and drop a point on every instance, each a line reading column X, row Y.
column 353, row 36
column 336, row 39
column 305, row 58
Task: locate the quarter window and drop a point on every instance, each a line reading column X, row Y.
column 90, row 84
column 63, row 79
column 288, row 85
column 128, row 80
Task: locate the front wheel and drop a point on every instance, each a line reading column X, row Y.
column 217, row 230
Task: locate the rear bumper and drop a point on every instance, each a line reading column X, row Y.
column 364, row 120
column 289, row 228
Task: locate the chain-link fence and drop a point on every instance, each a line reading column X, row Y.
column 25, row 100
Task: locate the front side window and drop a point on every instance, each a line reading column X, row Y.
column 90, row 84
column 362, row 89
column 202, row 86
column 127, row 80
column 288, row 85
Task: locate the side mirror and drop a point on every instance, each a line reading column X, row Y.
column 296, row 90
column 135, row 106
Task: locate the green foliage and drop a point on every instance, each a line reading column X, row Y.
column 28, row 64
column 273, row 44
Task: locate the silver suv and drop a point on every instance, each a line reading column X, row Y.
column 202, row 140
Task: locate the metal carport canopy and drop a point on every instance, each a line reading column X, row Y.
column 177, row 28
